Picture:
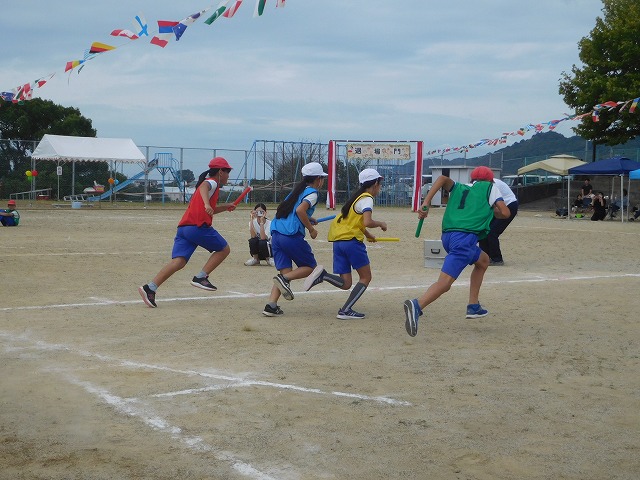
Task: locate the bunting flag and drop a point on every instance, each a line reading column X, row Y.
column 179, row 29
column 124, row 33
column 280, row 3
column 41, row 81
column 222, row 7
column 23, row 92
column 259, row 10
column 231, row 11
column 165, row 33
column 539, row 127
column 73, row 64
column 140, row 25
column 97, row 47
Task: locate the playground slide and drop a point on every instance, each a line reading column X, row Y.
column 127, row 182
column 117, row 188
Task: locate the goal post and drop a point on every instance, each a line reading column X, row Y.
column 391, row 154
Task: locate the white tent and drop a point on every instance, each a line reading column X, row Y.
column 558, row 165
column 87, row 149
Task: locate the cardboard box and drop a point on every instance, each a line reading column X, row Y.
column 434, row 254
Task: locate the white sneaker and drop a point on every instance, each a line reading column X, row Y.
column 271, row 262
column 251, row 262
column 314, row 278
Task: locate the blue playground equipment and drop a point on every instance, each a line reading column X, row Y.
column 165, row 163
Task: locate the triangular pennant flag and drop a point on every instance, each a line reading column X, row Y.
column 140, row 25
column 222, row 7
column 231, row 11
column 259, row 8
column 124, row 33
column 41, row 81
column 179, row 29
column 73, row 64
column 97, row 47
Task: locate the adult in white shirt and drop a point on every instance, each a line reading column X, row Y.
column 259, row 243
column 491, row 244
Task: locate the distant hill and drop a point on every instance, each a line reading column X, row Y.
column 539, row 147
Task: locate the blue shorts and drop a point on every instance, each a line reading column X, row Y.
column 348, row 254
column 462, row 250
column 188, row 238
column 289, row 249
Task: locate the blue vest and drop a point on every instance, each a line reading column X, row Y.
column 291, row 225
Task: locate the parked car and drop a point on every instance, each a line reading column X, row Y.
column 522, row 180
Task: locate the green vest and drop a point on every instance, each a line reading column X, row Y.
column 468, row 209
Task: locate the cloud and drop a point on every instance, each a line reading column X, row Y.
column 314, row 69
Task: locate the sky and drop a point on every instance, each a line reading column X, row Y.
column 447, row 73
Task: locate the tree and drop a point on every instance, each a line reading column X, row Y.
column 611, row 71
column 187, row 176
column 22, row 124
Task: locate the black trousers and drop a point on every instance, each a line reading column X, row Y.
column 491, row 244
column 259, row 247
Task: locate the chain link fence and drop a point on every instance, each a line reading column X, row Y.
column 271, row 167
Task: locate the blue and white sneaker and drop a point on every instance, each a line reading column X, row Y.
column 411, row 312
column 283, row 285
column 314, row 279
column 349, row 315
column 475, row 310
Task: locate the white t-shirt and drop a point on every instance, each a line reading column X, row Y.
column 365, row 203
column 505, row 192
column 256, row 227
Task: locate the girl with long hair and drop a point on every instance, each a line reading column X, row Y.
column 294, row 216
column 347, row 232
column 195, row 230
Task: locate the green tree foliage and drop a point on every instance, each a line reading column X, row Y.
column 187, row 176
column 611, row 71
column 21, row 123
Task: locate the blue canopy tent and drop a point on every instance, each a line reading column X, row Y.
column 614, row 166
column 634, row 175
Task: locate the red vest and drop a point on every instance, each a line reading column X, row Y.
column 195, row 214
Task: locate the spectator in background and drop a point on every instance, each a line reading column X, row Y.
column 618, row 203
column 10, row 217
column 260, row 240
column 599, row 207
column 587, row 188
column 578, row 203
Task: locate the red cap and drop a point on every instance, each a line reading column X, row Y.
column 219, row 162
column 11, row 202
column 482, row 174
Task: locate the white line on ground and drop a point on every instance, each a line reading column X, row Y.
column 137, row 408
column 133, row 408
column 240, row 295
column 232, row 380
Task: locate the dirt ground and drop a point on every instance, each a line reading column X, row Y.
column 95, row 385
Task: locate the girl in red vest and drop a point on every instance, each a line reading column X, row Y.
column 195, row 230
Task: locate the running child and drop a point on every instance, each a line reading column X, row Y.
column 469, row 212
column 288, row 246
column 347, row 232
column 195, row 230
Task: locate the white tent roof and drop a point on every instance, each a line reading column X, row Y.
column 557, row 164
column 88, row 149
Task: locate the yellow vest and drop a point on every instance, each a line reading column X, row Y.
column 350, row 227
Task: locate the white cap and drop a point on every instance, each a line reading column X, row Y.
column 368, row 174
column 313, row 169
